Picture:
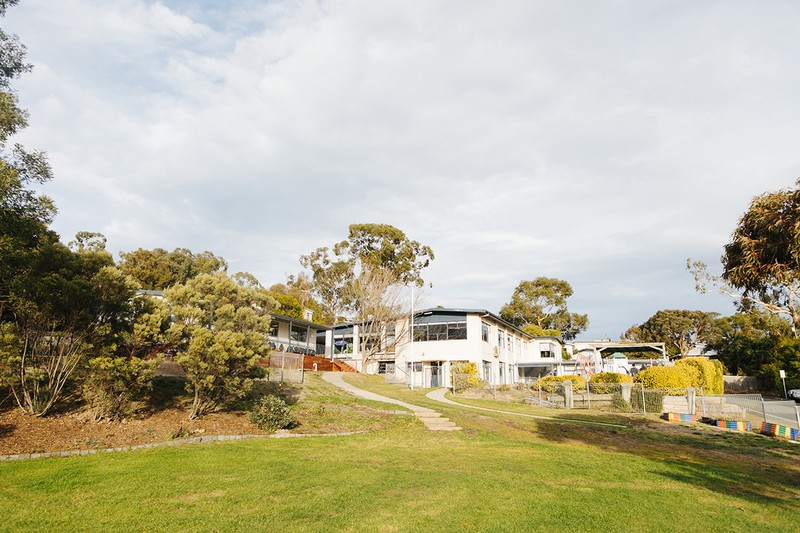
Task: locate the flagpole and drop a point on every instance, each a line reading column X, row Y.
column 411, row 328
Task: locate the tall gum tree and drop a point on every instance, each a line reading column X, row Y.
column 363, row 279
column 761, row 263
column 542, row 302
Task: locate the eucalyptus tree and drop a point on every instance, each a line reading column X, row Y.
column 542, row 302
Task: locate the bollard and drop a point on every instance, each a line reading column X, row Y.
column 690, row 399
column 568, row 402
column 626, row 391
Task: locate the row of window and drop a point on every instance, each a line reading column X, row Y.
column 440, row 332
column 297, row 333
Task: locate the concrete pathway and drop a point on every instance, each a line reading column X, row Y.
column 433, row 420
column 438, row 395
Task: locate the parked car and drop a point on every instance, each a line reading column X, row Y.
column 794, row 394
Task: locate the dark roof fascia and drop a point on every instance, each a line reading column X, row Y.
column 300, row 322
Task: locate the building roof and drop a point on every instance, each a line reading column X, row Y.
column 461, row 310
column 299, row 321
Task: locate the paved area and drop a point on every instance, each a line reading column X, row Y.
column 433, row 420
column 438, row 395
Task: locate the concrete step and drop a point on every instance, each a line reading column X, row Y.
column 427, row 414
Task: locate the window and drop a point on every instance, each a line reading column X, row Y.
column 487, row 371
column 299, row 333
column 385, row 367
column 440, row 332
column 457, row 330
column 417, row 367
column 485, row 331
column 273, row 328
column 500, row 342
column 343, row 345
column 437, row 332
column 547, row 349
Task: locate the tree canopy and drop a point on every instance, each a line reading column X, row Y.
column 220, row 328
column 158, row 269
column 680, row 330
column 761, row 263
column 542, row 302
column 368, row 249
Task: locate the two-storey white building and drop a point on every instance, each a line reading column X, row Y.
column 442, row 337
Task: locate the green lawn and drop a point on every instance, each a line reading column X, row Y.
column 502, row 473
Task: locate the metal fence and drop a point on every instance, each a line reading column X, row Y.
column 750, row 407
column 633, row 398
column 283, row 366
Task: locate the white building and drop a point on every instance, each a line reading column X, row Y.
column 502, row 353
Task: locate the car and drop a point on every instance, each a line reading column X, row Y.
column 794, row 394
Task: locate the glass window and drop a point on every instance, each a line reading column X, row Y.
column 437, row 332
column 417, row 366
column 547, row 349
column 299, row 333
column 273, row 328
column 485, row 331
column 385, row 367
column 457, row 330
column 440, row 332
column 487, row 371
column 343, row 345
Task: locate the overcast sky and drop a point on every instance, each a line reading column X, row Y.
column 598, row 142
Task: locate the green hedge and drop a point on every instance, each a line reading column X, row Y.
column 608, row 382
column 694, row 372
column 667, row 377
column 553, row 383
column 709, row 374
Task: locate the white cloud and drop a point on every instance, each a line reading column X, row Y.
column 600, row 143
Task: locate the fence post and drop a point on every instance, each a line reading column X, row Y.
column 568, row 403
column 703, row 401
column 764, row 409
column 588, row 394
column 283, row 363
column 644, row 402
column 539, row 381
column 797, row 416
column 691, row 396
column 626, row 391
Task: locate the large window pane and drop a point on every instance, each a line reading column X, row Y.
column 437, row 332
column 457, row 330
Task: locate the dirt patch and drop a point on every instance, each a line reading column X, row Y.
column 21, row 433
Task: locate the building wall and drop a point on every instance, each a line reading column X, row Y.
column 497, row 359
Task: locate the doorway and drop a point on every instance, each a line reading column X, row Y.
column 436, row 374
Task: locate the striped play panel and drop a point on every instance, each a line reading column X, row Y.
column 679, row 417
column 779, row 430
column 736, row 425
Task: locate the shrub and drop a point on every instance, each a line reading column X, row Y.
column 271, row 413
column 709, row 374
column 464, row 375
column 608, row 382
column 112, row 384
column 553, row 383
column 659, row 377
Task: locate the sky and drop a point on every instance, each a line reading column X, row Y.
column 602, row 143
